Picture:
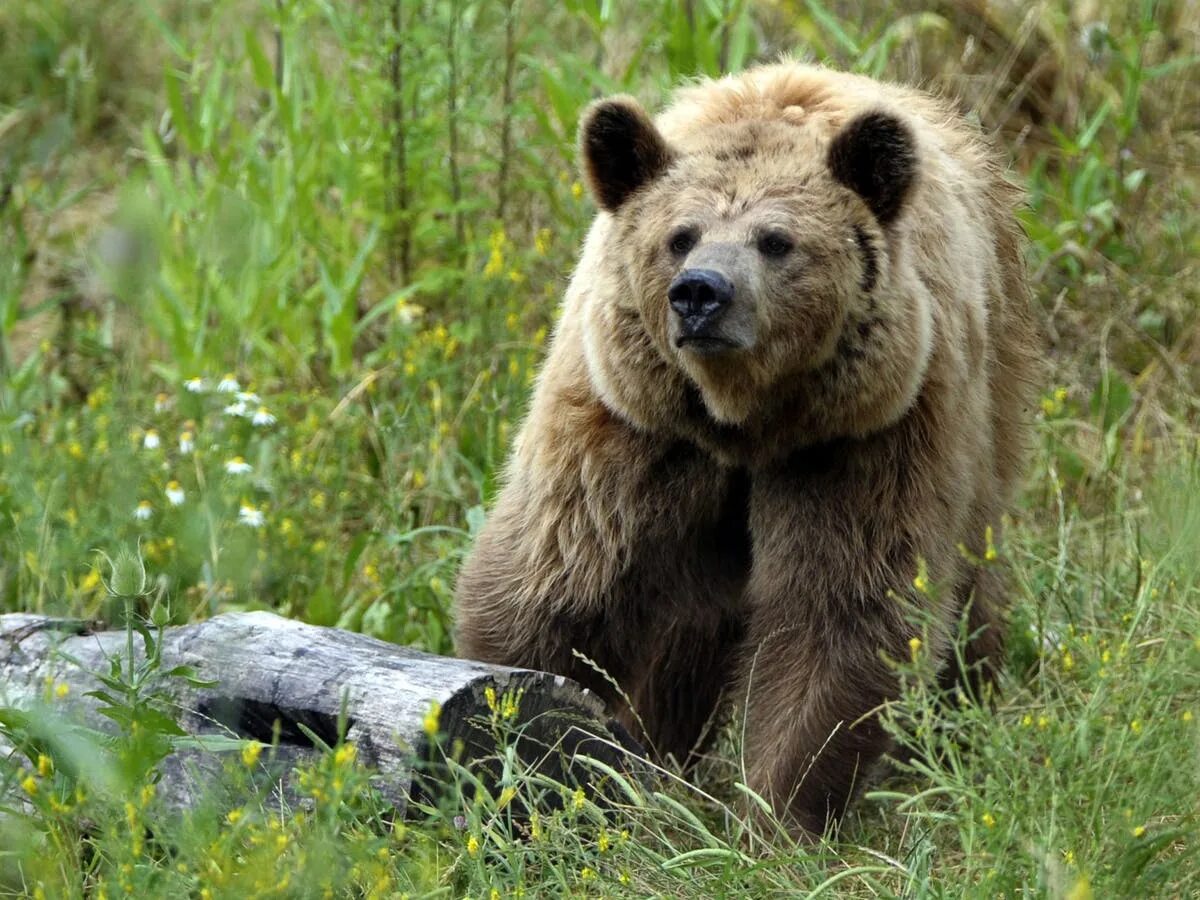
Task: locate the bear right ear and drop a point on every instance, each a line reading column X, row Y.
column 621, row 149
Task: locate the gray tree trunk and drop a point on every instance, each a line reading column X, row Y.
column 280, row 682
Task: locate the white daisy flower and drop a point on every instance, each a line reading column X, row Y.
column 237, row 466
column 187, row 442
column 228, row 385
column 195, row 385
column 175, row 494
column 151, row 441
column 1095, row 41
column 1049, row 639
column 252, row 516
column 143, row 511
column 249, row 398
column 262, row 417
column 407, row 313
column 162, row 403
column 236, row 409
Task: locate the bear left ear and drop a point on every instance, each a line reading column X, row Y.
column 874, row 155
column 621, row 149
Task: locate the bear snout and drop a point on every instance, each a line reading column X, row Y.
column 700, row 298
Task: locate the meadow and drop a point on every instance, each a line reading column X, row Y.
column 275, row 279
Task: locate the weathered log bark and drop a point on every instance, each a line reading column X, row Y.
column 278, row 679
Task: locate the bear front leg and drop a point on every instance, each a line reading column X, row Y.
column 836, row 540
column 811, row 735
column 621, row 547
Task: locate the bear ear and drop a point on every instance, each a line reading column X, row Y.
column 621, row 149
column 874, row 155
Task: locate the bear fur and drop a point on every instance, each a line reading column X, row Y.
column 793, row 369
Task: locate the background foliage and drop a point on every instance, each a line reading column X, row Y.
column 274, row 281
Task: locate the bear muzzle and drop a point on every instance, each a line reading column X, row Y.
column 700, row 299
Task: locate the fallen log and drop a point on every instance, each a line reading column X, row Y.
column 298, row 687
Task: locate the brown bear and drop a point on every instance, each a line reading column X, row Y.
column 794, row 369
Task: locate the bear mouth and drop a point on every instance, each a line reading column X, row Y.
column 704, row 344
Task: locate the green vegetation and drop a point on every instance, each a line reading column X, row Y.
column 274, row 281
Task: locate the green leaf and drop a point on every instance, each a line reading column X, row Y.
column 830, row 24
column 1098, row 119
column 185, row 127
column 209, row 743
column 191, row 675
column 264, row 73
column 1112, row 399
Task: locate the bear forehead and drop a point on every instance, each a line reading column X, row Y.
column 756, row 139
column 735, row 167
column 734, row 192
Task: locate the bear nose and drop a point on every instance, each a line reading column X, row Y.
column 699, row 294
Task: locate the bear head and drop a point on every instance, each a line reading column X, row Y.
column 759, row 260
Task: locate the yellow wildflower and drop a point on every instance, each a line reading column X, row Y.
column 510, row 705
column 251, row 753
column 921, row 581
column 495, row 263
column 430, row 723
column 91, row 581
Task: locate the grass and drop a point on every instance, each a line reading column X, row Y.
column 364, row 216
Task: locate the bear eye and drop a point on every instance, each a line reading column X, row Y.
column 775, row 244
column 682, row 241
